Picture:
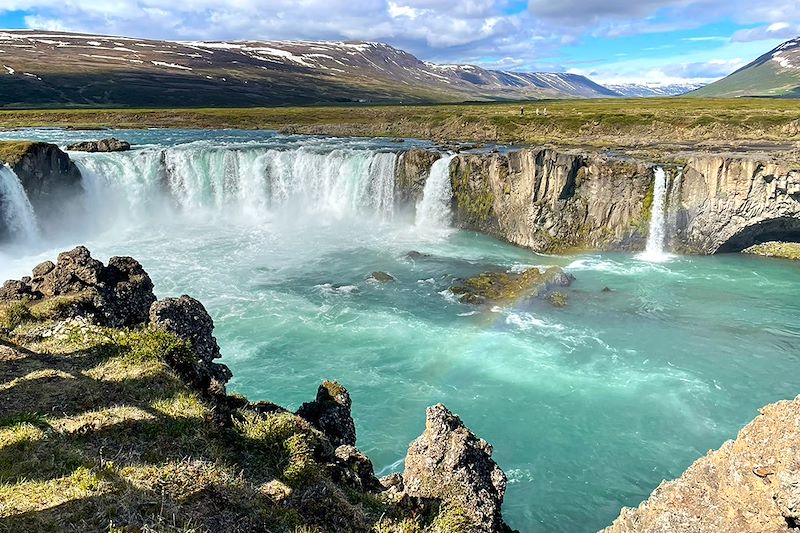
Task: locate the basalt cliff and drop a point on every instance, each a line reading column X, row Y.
column 553, row 200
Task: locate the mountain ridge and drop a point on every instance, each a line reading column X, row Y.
column 51, row 69
column 774, row 74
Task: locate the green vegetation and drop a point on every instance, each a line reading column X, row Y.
column 782, row 250
column 12, row 152
column 606, row 122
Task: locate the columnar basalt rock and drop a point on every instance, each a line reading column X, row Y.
column 103, row 145
column 413, row 168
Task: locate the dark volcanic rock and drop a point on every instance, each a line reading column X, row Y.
column 450, row 464
column 330, row 413
column 356, row 468
column 50, row 179
column 187, row 319
column 104, row 145
column 381, row 277
column 116, row 295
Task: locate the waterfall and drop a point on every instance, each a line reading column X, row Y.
column 433, row 211
column 244, row 182
column 15, row 208
column 654, row 251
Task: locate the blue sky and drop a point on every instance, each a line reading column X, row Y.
column 653, row 41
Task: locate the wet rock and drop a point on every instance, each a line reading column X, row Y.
column 78, row 285
column 750, row 484
column 606, row 289
column 450, row 464
column 413, row 255
column 381, row 277
column 557, row 299
column 187, row 319
column 782, row 250
column 330, row 413
column 500, row 287
column 104, row 145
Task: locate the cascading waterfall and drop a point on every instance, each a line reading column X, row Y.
column 654, row 251
column 433, row 211
column 17, row 211
column 248, row 182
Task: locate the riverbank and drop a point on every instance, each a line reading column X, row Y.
column 646, row 126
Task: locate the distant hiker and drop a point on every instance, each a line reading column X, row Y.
column 545, row 111
column 537, row 111
column 521, row 110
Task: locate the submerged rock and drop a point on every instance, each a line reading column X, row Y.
column 414, row 255
column 448, row 463
column 381, row 277
column 187, row 319
column 103, row 145
column 557, row 299
column 751, row 484
column 78, row 285
column 330, row 413
column 499, row 287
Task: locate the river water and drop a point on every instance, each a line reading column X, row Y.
column 588, row 407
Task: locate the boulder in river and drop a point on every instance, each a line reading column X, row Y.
column 381, row 277
column 500, row 287
column 103, row 145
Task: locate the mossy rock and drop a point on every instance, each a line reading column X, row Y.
column 781, row 250
column 12, row 152
column 503, row 287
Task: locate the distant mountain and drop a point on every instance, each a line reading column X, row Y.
column 66, row 69
column 775, row 74
column 641, row 90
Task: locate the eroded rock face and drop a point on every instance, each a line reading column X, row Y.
column 330, row 413
column 116, row 295
column 751, row 484
column 412, row 170
column 187, row 319
column 104, row 145
column 450, row 464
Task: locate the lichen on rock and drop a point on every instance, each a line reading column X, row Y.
column 504, row 287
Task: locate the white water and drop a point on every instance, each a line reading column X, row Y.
column 654, row 251
column 240, row 184
column 433, row 211
column 16, row 209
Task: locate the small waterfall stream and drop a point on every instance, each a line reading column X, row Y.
column 433, row 211
column 656, row 238
column 15, row 208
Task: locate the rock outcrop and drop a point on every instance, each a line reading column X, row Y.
column 449, row 464
column 51, row 180
column 187, row 319
column 103, row 145
column 412, row 170
column 330, row 413
column 116, row 295
column 750, row 484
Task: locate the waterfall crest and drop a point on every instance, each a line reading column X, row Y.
column 656, row 237
column 15, row 208
column 433, row 211
column 248, row 183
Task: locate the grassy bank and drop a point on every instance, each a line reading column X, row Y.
column 611, row 122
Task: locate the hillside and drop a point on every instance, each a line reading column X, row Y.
column 55, row 69
column 775, row 74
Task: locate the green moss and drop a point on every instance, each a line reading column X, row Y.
column 12, row 152
column 557, row 299
column 474, row 202
column 451, row 519
column 504, row 286
column 782, row 250
column 59, row 306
